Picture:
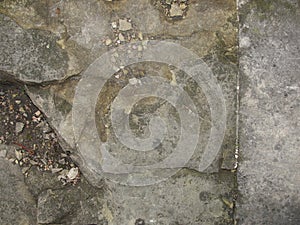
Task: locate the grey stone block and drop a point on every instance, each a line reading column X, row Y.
column 268, row 175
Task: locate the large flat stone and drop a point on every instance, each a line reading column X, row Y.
column 17, row 205
column 268, row 175
column 30, row 55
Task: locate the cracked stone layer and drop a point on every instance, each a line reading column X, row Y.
column 82, row 35
column 30, row 55
column 59, row 204
column 209, row 30
column 215, row 40
column 268, row 174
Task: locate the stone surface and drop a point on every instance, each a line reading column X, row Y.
column 268, row 175
column 30, row 55
column 187, row 198
column 81, row 204
column 83, row 35
column 6, row 150
column 17, row 205
column 208, row 29
column 80, row 31
column 209, row 38
column 38, row 181
column 55, row 204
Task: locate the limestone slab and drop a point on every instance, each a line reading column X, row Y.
column 268, row 175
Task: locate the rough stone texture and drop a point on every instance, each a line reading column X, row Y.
column 81, row 204
column 209, row 29
column 56, row 102
column 6, row 150
column 187, row 198
column 30, row 55
column 38, row 181
column 213, row 40
column 55, row 204
column 17, row 205
column 268, row 175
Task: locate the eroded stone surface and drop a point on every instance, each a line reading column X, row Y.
column 268, row 174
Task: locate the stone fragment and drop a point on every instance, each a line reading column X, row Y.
column 19, row 127
column 133, row 81
column 121, row 37
column 182, row 6
column 37, row 113
column 56, row 170
column 19, row 155
column 108, row 41
column 114, row 25
column 176, row 10
column 72, row 174
column 124, row 25
column 140, row 36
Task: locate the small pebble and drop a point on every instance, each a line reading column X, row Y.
column 25, row 169
column 21, row 110
column 37, row 113
column 140, row 36
column 56, row 170
column 133, row 81
column 139, row 222
column 114, row 25
column 19, row 127
column 72, row 174
column 124, row 25
column 175, row 10
column 19, row 155
column 108, row 41
column 121, row 37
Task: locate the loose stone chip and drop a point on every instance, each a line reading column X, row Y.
column 72, row 174
column 124, row 25
column 108, row 41
column 176, row 10
column 19, row 127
